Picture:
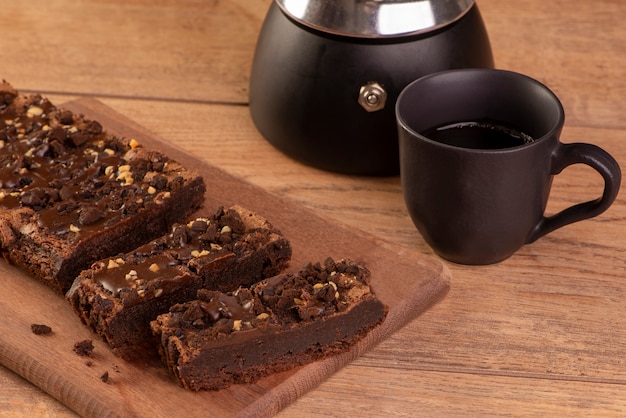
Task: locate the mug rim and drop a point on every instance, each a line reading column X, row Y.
column 556, row 127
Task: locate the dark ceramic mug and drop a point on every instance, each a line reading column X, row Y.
column 476, row 205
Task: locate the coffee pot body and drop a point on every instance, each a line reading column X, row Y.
column 323, row 88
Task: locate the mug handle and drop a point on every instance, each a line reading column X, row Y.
column 598, row 159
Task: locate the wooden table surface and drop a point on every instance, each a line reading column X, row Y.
column 542, row 333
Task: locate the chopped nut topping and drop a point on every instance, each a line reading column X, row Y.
column 74, row 228
column 134, row 143
column 112, row 264
column 151, row 190
column 154, row 267
column 225, row 229
column 162, row 196
column 34, row 111
column 127, row 176
column 215, row 246
column 196, row 253
column 262, row 316
column 158, row 293
column 131, row 275
column 237, row 325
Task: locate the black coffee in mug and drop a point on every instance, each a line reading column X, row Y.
column 480, row 201
column 478, row 135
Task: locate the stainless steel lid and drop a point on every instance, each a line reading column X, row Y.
column 375, row 18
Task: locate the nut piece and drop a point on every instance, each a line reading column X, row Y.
column 34, row 111
column 196, row 253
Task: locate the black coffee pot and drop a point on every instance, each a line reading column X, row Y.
column 327, row 73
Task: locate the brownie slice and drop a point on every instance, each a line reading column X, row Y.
column 71, row 194
column 279, row 323
column 118, row 297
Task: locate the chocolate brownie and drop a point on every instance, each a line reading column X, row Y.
column 289, row 320
column 118, row 297
column 71, row 194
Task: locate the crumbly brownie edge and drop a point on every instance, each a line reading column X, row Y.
column 215, row 369
column 271, row 257
column 126, row 329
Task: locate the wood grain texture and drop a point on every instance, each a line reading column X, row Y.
column 407, row 284
column 106, row 47
column 540, row 334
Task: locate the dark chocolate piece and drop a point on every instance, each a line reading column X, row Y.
column 84, row 348
column 40, row 329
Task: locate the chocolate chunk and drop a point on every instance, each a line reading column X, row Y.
column 78, row 138
column 105, row 377
column 159, row 182
column 65, row 193
column 58, row 135
column 84, row 348
column 94, row 127
column 66, row 117
column 233, row 218
column 326, row 293
column 7, row 93
column 40, row 329
column 39, row 197
column 198, row 226
column 90, row 215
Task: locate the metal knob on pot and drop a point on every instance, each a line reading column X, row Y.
column 326, row 73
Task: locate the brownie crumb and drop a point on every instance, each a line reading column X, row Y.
column 84, row 348
column 40, row 329
column 105, row 377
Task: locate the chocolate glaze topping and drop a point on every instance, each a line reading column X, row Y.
column 66, row 169
column 200, row 242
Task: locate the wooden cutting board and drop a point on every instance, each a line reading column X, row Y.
column 408, row 283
